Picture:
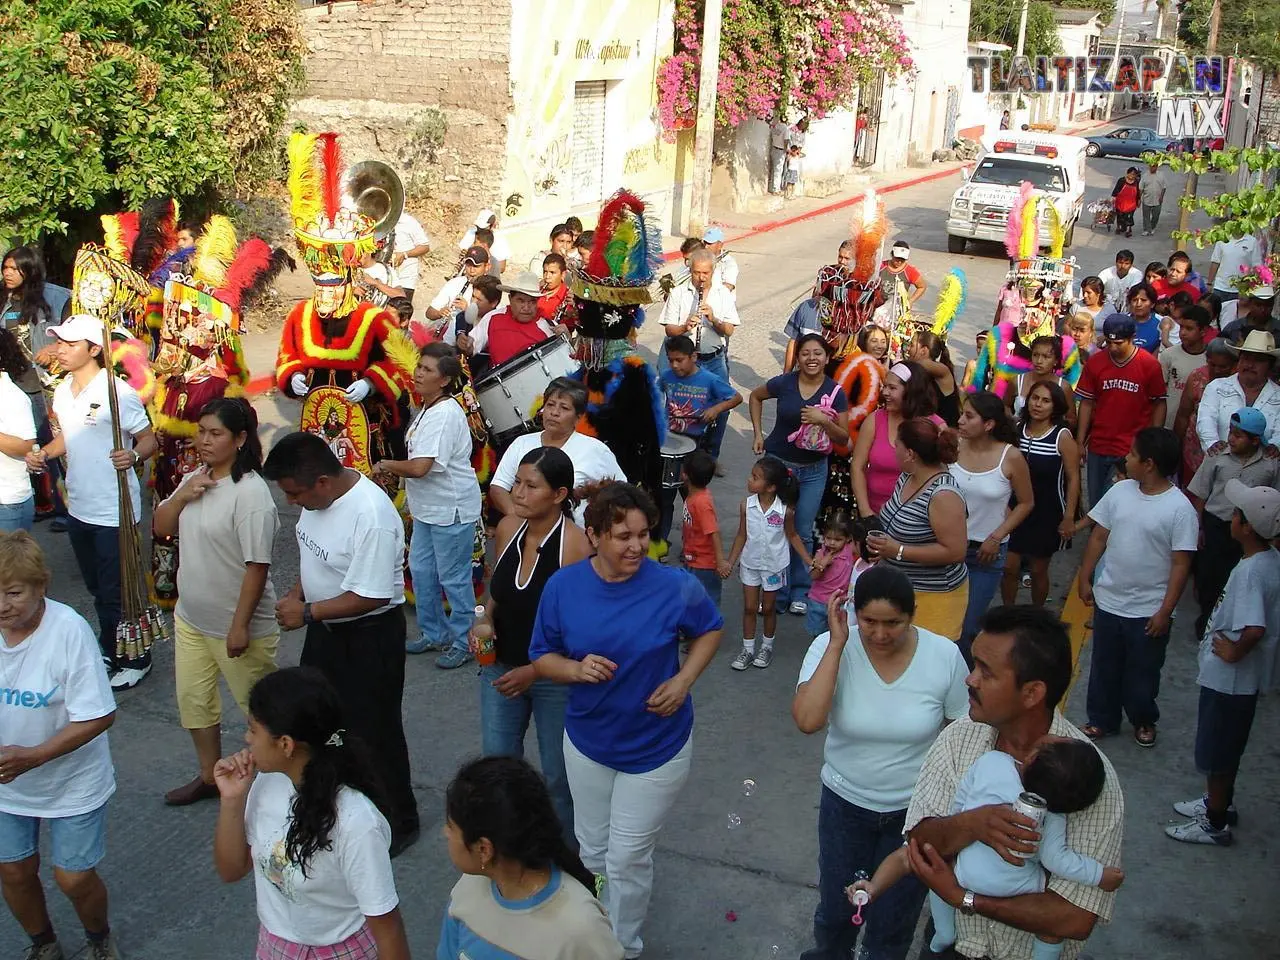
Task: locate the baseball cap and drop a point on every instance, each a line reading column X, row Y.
column 476, row 255
column 1260, row 506
column 712, row 235
column 483, row 218
column 901, row 251
column 1250, row 420
column 1119, row 326
column 79, row 326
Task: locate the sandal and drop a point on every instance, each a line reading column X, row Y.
column 1094, row 732
column 1144, row 736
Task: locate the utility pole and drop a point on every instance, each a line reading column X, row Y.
column 705, row 131
column 1119, row 36
column 1210, row 48
column 1022, row 28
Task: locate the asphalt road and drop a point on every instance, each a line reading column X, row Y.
column 1179, row 902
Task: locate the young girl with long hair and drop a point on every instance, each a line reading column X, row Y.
column 524, row 892
column 302, row 809
column 930, row 351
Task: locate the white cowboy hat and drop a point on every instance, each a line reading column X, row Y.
column 1258, row 341
column 525, row 283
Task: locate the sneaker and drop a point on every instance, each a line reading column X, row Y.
column 45, row 951
column 1199, row 807
column 742, row 660
column 58, row 524
column 453, row 658
column 1199, row 831
column 798, row 607
column 424, row 644
column 103, row 949
column 1026, row 580
column 763, row 658
column 126, row 678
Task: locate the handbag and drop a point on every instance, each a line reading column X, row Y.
column 811, row 436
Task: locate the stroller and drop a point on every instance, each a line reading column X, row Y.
column 1104, row 213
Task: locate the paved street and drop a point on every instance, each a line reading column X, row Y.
column 1179, row 902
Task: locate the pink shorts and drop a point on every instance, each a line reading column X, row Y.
column 359, row 946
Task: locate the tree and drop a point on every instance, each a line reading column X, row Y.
column 1248, row 29
column 109, row 102
column 996, row 21
column 1252, row 210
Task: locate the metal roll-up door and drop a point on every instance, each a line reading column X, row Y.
column 588, row 141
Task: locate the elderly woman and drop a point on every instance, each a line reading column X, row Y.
column 612, row 626
column 563, row 403
column 850, row 681
column 812, row 418
column 922, row 527
column 56, row 764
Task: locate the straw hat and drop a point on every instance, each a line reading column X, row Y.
column 525, row 283
column 1258, row 341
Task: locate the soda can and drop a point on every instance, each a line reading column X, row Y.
column 1033, row 807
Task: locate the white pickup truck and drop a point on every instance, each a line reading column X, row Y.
column 1052, row 163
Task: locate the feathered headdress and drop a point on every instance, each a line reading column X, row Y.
column 625, row 255
column 119, row 232
column 157, row 235
column 1022, row 233
column 1056, row 236
column 867, row 227
column 215, row 249
column 332, row 237
column 109, row 289
column 226, row 277
column 951, row 297
column 254, row 267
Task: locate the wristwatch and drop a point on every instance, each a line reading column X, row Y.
column 136, row 459
column 966, row 905
column 306, row 614
column 901, row 548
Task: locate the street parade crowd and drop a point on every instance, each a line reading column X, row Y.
column 510, row 463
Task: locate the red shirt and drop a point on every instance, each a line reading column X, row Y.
column 1122, row 396
column 1164, row 288
column 549, row 305
column 507, row 336
column 699, row 524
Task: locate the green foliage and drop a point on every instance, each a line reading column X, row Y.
column 1248, row 29
column 997, row 21
column 1249, row 211
column 1105, row 7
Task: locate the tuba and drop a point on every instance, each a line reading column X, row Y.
column 373, row 189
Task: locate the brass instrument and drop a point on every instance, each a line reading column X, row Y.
column 373, row 189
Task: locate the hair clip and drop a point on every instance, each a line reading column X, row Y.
column 336, row 739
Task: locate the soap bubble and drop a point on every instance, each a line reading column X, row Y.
column 748, row 787
column 773, row 952
column 735, row 821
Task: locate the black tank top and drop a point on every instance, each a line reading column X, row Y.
column 516, row 605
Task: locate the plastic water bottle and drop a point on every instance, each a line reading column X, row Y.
column 482, row 639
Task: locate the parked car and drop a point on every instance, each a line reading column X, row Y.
column 1127, row 142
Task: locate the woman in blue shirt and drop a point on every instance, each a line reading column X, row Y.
column 612, row 626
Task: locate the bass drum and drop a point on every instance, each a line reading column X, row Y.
column 510, row 394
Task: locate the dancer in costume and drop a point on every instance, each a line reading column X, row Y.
column 348, row 361
column 1033, row 303
column 625, row 408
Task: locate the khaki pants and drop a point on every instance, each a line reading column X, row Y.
column 198, row 660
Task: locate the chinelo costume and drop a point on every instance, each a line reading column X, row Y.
column 1032, row 304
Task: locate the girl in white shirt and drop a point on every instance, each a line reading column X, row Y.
column 17, row 434
column 300, row 809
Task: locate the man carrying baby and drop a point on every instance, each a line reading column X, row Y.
column 1022, row 668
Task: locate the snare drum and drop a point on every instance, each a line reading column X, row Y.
column 673, row 453
column 509, row 393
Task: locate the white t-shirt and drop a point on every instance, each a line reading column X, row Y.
column 1250, row 599
column 726, row 273
column 17, row 421
column 1230, row 257
column 1178, row 365
column 409, row 234
column 53, row 678
column 343, row 885
column 592, row 462
column 1116, row 289
column 355, row 544
column 449, row 493
column 453, row 288
column 499, row 252
column 85, row 420
column 867, row 760
column 383, row 273
column 1133, row 574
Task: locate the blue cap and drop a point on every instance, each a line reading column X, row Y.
column 712, row 235
column 1250, row 420
column 1119, row 326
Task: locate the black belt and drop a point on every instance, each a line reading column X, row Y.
column 712, row 355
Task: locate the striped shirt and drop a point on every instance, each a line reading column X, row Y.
column 907, row 521
column 1096, row 831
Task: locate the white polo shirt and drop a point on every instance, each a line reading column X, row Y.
column 409, row 234
column 16, row 420
column 85, row 419
column 680, row 305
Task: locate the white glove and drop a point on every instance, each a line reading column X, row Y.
column 359, row 390
column 298, row 384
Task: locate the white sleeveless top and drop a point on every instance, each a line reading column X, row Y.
column 766, row 548
column 986, row 494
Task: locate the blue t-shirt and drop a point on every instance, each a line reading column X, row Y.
column 638, row 624
column 688, row 397
column 786, row 390
column 1148, row 331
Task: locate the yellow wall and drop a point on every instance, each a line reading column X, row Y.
column 554, row 45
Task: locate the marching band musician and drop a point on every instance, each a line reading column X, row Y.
column 455, row 296
column 505, row 332
column 555, row 306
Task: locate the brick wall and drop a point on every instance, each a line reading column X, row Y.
column 373, row 67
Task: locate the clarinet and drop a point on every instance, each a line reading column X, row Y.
column 696, row 333
column 460, row 316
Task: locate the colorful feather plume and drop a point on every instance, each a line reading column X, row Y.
column 402, row 352
column 626, row 248
column 157, row 235
column 215, row 250
column 1029, row 245
column 120, row 232
column 132, row 361
column 1013, row 227
column 252, row 259
column 951, row 297
column 330, row 174
column 867, row 227
column 304, row 179
column 1056, row 236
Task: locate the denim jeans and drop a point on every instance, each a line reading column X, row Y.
column 440, row 559
column 97, row 551
column 815, row 619
column 719, row 365
column 984, row 579
column 852, row 839
column 504, row 721
column 710, row 581
column 812, row 478
column 1124, row 671
column 1100, row 475
column 17, row 516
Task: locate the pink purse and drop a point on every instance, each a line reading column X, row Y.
column 811, row 436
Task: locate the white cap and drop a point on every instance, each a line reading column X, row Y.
column 483, row 218
column 77, row 327
column 1260, row 506
column 901, row 251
